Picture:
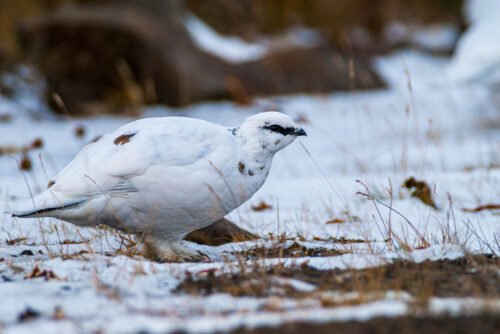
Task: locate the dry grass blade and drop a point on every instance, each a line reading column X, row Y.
column 375, row 201
column 483, row 208
column 336, row 221
column 262, row 206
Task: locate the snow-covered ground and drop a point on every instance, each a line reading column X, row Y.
column 477, row 56
column 420, row 126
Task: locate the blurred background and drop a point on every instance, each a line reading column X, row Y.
column 112, row 57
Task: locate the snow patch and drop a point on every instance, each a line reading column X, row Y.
column 236, row 50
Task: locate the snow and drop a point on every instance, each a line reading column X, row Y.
column 436, row 37
column 236, row 50
column 476, row 11
column 419, row 126
column 232, row 49
column 460, row 306
column 477, row 54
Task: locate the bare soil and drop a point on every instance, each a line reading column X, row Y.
column 294, row 251
column 473, row 276
column 407, row 324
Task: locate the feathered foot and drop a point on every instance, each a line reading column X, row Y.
column 164, row 251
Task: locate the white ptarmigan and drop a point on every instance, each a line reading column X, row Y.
column 165, row 177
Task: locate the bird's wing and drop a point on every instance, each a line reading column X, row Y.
column 110, row 164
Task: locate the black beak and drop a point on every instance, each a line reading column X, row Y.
column 300, row 132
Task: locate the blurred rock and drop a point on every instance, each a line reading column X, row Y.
column 11, row 13
column 221, row 232
column 118, row 55
column 114, row 58
column 3, row 55
column 317, row 70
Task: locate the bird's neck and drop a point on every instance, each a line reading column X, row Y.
column 257, row 153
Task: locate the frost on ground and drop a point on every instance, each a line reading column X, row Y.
column 342, row 239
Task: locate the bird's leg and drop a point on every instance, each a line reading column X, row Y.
column 168, row 251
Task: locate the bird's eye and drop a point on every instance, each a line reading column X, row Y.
column 279, row 129
column 276, row 128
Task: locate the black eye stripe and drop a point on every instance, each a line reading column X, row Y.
column 279, row 129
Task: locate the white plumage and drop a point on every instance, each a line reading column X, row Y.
column 165, row 177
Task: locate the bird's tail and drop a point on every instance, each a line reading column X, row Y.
column 45, row 204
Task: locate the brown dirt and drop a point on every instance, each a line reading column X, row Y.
column 409, row 325
column 294, row 251
column 475, row 276
column 464, row 277
column 257, row 282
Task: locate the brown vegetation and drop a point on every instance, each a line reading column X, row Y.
column 421, row 190
column 483, row 207
column 485, row 323
column 475, row 276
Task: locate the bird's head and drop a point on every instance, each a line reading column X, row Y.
column 272, row 130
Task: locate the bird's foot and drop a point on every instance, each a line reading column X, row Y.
column 163, row 251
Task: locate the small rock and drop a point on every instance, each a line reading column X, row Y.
column 27, row 252
column 28, row 314
column 7, row 278
column 5, row 118
column 219, row 233
column 58, row 313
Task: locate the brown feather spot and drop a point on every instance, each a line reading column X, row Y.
column 241, row 167
column 51, row 183
column 123, row 139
